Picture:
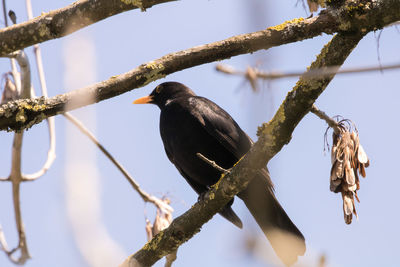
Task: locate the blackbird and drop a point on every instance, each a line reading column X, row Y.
column 191, row 124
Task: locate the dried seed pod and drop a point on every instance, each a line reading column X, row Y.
column 348, row 157
column 162, row 220
column 362, row 156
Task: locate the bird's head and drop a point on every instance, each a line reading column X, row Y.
column 164, row 93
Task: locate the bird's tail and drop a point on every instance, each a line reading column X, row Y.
column 230, row 215
column 287, row 241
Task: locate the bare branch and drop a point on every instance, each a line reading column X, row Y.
column 3, row 241
column 368, row 16
column 24, row 82
column 64, row 21
column 322, row 115
column 23, row 63
column 16, row 179
column 212, row 163
column 272, row 137
column 12, row 61
column 51, row 153
column 35, row 110
column 145, row 196
column 315, row 73
column 40, row 108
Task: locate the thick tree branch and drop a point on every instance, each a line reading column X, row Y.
column 272, row 137
column 64, row 21
column 23, row 114
column 354, row 15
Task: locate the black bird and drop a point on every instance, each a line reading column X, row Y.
column 191, row 124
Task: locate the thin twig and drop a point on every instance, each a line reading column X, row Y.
column 323, row 72
column 51, row 153
column 3, row 241
column 16, row 179
column 316, row 73
column 145, row 196
column 14, row 71
column 25, row 76
column 212, row 163
column 16, row 174
column 322, row 115
column 23, row 85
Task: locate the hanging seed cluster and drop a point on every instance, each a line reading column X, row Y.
column 163, row 220
column 348, row 160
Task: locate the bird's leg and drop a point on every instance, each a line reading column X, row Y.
column 213, row 164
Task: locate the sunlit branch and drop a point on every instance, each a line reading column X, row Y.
column 64, row 21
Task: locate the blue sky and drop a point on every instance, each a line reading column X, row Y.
column 300, row 171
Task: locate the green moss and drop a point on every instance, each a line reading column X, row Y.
column 32, row 107
column 286, row 23
column 43, row 30
column 153, row 244
column 152, row 72
column 216, row 185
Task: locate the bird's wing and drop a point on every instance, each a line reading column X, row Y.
column 199, row 188
column 220, row 125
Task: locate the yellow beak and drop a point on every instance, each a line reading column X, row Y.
column 143, row 100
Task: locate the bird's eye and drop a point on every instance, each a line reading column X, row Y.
column 158, row 89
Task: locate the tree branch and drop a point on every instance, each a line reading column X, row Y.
column 272, row 75
column 369, row 17
column 272, row 137
column 16, row 174
column 354, row 15
column 144, row 195
column 51, row 153
column 64, row 21
column 323, row 116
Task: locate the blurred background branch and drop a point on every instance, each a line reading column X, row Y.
column 16, row 176
column 253, row 73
